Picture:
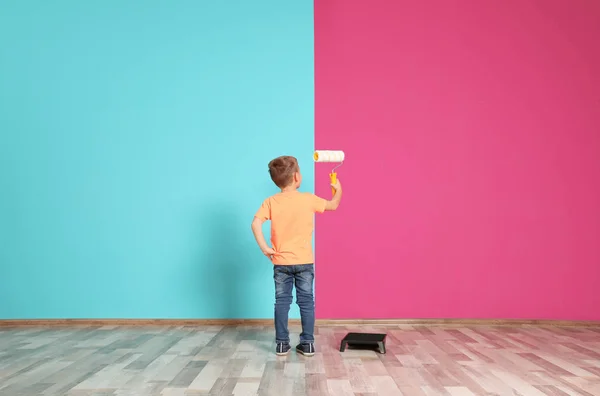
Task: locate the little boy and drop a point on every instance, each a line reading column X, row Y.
column 292, row 222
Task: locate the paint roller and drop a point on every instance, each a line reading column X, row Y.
column 330, row 156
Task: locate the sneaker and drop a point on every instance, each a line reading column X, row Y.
column 282, row 348
column 306, row 349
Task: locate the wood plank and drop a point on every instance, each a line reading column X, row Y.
column 422, row 324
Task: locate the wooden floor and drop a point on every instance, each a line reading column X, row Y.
column 446, row 360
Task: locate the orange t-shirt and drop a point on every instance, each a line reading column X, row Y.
column 292, row 224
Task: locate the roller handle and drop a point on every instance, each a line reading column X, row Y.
column 333, row 177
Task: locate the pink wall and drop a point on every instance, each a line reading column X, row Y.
column 472, row 136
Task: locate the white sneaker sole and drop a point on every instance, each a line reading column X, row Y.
column 306, row 353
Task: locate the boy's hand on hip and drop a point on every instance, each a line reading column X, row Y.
column 269, row 252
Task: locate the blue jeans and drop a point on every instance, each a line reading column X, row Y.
column 286, row 276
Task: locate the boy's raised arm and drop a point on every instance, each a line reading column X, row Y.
column 337, row 197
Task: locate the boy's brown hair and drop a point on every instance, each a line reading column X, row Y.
column 282, row 170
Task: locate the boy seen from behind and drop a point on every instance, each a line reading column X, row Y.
column 292, row 223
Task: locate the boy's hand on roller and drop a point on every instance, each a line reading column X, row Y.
column 336, row 186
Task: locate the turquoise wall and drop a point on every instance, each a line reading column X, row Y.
column 134, row 142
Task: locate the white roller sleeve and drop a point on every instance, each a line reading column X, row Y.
column 328, row 156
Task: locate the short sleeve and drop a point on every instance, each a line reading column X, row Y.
column 318, row 203
column 264, row 212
